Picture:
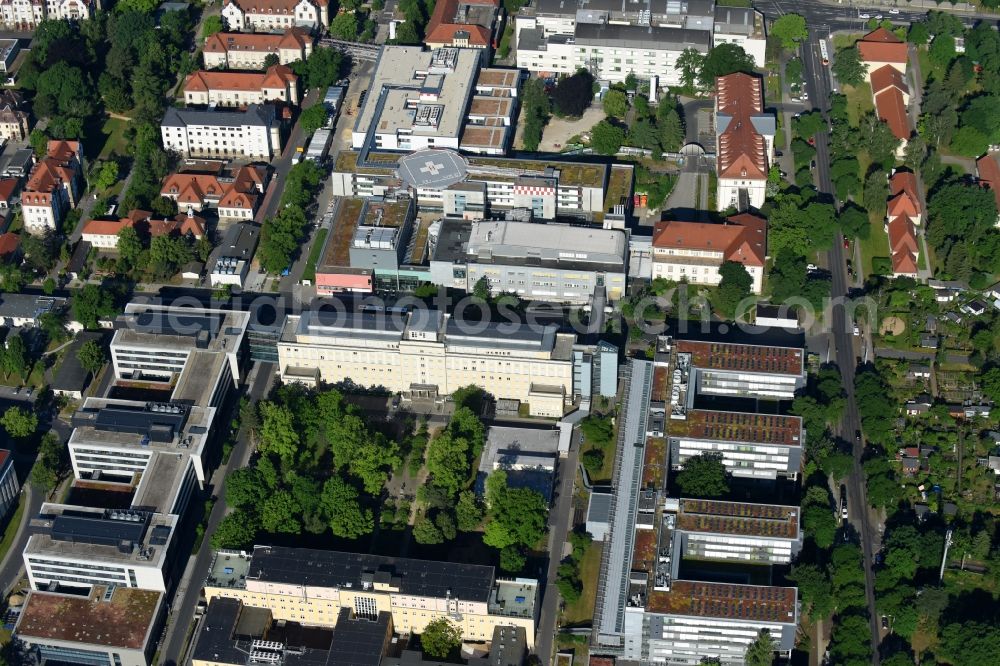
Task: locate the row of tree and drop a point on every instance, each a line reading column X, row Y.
column 282, row 234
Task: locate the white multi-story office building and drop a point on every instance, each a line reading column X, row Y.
column 545, row 262
column 429, row 354
column 253, row 133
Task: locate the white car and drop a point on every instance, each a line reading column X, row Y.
column 864, row 16
column 878, row 17
column 893, row 11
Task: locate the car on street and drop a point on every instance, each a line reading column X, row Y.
column 857, row 435
column 843, row 503
column 885, row 622
column 865, row 16
column 857, row 330
column 847, row 243
column 893, row 11
column 878, row 17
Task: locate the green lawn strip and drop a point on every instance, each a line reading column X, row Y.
column 310, row 272
column 12, row 525
column 583, row 610
column 876, row 245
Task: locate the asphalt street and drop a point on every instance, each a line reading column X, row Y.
column 833, row 16
column 818, row 85
column 189, row 589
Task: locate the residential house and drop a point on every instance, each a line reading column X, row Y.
column 103, row 234
column 10, row 248
column 903, row 246
column 917, row 407
column 236, row 197
column 27, row 14
column 884, row 56
column 236, row 50
column 744, row 141
column 14, row 124
column 903, row 197
column 928, row 341
column 462, row 23
column 275, row 15
column 991, row 293
column 989, row 177
column 53, row 187
column 252, row 134
column 918, row 371
column 974, row 308
column 695, row 251
column 277, row 84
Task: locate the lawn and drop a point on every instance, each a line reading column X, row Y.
column 876, row 245
column 114, row 132
column 582, row 612
column 310, row 271
column 15, row 521
column 859, row 101
column 845, row 41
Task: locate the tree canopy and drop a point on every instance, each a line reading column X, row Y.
column 573, row 94
column 790, row 29
column 440, row 637
column 703, row 475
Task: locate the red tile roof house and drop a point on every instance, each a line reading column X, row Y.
column 53, row 187
column 880, row 48
column 744, row 141
column 235, row 198
column 103, row 234
column 10, row 247
column 696, row 250
column 239, row 89
column 464, row 23
column 903, row 212
column 989, row 177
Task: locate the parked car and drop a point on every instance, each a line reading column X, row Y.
column 893, row 11
column 865, row 16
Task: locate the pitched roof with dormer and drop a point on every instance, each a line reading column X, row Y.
column 891, row 108
column 443, row 24
column 888, row 76
column 224, row 42
column 741, row 238
column 903, row 198
column 742, row 149
column 903, row 245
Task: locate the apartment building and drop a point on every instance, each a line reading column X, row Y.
column 612, row 40
column 103, row 234
column 235, row 195
column 27, row 14
column 544, row 262
column 111, row 625
column 430, row 354
column 312, row 586
column 14, row 121
column 744, row 141
column 610, row 51
column 695, row 251
column 471, row 187
column 275, row 15
column 241, row 50
column 236, row 89
column 53, row 187
column 467, row 24
column 253, row 133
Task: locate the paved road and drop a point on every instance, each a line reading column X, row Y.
column 13, row 564
column 559, row 520
column 185, row 600
column 818, row 86
column 834, row 16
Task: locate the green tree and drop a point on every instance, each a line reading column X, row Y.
column 606, row 139
column 245, row 487
column 735, row 285
column 279, row 513
column 129, row 246
column 406, row 33
column 724, row 59
column 969, row 141
column 918, row 34
column 516, row 516
column 211, row 25
column 236, row 531
column 278, row 432
column 814, row 589
column 468, row 511
column 971, row 642
column 345, row 26
column 15, row 357
column 512, row 559
column 573, row 94
column 671, row 129
column 689, row 62
column 615, row 103
column 425, row 532
column 876, row 192
column 942, row 50
column 703, row 475
column 91, row 356
column 19, row 423
column 107, row 175
column 49, row 286
column 91, row 304
column 593, row 460
column 372, row 462
column 314, row 117
column 535, row 112
column 440, row 638
column 168, row 253
column 847, row 66
column 761, row 651
column 340, row 505
column 790, row 29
